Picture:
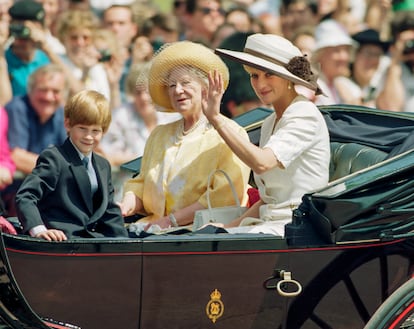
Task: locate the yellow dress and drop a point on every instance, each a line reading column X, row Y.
column 175, row 169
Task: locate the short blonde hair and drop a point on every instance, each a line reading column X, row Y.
column 76, row 19
column 88, row 107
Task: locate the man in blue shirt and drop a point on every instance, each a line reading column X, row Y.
column 36, row 121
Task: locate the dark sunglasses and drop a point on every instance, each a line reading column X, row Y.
column 178, row 3
column 207, row 11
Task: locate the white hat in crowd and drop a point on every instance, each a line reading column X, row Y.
column 329, row 33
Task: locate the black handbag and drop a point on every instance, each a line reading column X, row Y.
column 375, row 204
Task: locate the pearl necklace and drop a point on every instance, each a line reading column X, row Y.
column 194, row 127
column 181, row 133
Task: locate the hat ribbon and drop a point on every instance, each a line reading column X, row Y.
column 264, row 56
column 312, row 79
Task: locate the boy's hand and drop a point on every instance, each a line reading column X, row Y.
column 52, row 235
column 5, row 177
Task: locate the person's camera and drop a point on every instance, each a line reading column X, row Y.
column 19, row 30
column 105, row 55
column 157, row 44
column 409, row 47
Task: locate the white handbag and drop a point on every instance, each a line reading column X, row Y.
column 220, row 214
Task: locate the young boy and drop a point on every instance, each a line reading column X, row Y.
column 69, row 193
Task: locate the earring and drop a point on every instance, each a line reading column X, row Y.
column 289, row 85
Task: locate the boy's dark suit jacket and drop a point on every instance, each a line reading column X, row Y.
column 58, row 195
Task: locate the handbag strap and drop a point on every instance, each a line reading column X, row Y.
column 233, row 190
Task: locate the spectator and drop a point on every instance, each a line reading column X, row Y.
column 52, row 9
column 398, row 92
column 79, row 5
column 369, row 66
column 378, row 16
column 6, row 89
column 4, row 10
column 5, row 22
column 179, row 156
column 121, row 21
column 23, row 56
column 77, row 31
column 69, row 193
column 241, row 18
column 179, row 11
column 99, row 6
column 35, row 122
column 160, row 29
column 156, row 29
column 203, row 17
column 344, row 12
column 223, row 31
column 132, row 124
column 30, row 48
column 333, row 54
column 293, row 154
column 269, row 24
column 141, row 50
column 297, row 13
column 112, row 61
column 7, row 166
column 304, row 38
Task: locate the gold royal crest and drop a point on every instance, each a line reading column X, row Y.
column 215, row 307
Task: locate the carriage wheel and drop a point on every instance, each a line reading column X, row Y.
column 304, row 308
column 397, row 312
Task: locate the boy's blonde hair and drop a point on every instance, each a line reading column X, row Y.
column 88, row 107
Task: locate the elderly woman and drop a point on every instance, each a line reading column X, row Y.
column 179, row 156
column 293, row 155
column 332, row 53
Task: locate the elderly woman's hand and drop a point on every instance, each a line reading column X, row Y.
column 128, row 204
column 163, row 222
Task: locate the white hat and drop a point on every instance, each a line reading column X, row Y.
column 329, row 33
column 272, row 53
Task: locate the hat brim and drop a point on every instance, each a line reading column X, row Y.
column 176, row 55
column 263, row 64
column 361, row 41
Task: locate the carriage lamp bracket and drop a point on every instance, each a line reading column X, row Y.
column 281, row 285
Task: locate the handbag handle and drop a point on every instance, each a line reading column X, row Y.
column 233, row 190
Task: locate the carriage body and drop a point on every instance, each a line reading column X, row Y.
column 327, row 272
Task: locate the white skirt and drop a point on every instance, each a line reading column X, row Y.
column 273, row 219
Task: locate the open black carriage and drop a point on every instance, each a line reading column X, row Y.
column 350, row 246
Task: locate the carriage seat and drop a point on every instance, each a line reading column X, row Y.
column 347, row 158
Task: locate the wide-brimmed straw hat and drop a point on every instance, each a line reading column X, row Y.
column 176, row 55
column 270, row 53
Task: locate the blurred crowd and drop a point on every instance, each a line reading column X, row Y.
column 362, row 50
